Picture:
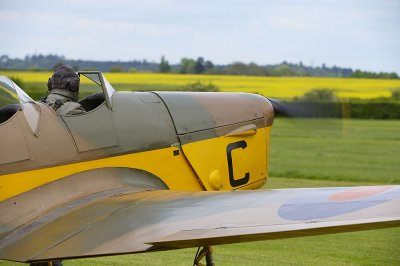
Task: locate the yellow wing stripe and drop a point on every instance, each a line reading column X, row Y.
column 161, row 163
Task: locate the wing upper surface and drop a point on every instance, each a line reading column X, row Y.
column 162, row 219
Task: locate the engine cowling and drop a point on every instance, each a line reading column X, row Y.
column 225, row 136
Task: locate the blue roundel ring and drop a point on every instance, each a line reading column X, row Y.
column 332, row 202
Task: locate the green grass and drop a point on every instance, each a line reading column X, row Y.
column 335, row 149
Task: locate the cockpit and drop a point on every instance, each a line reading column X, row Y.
column 28, row 127
column 95, row 91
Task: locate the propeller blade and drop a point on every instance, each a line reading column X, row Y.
column 305, row 109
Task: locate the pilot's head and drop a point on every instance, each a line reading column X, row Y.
column 65, row 78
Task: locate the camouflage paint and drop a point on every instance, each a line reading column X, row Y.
column 139, row 122
column 139, row 221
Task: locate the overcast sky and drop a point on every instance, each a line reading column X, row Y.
column 359, row 34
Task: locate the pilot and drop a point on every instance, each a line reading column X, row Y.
column 63, row 91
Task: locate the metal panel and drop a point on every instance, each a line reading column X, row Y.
column 12, row 143
column 196, row 111
column 143, row 122
column 19, row 210
column 93, row 130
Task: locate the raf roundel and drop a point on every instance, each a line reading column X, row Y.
column 336, row 201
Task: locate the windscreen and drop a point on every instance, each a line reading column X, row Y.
column 11, row 94
column 92, row 84
column 89, row 85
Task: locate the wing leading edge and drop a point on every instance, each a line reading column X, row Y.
column 134, row 221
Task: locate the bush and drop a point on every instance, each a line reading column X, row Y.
column 132, row 70
column 319, row 95
column 116, row 69
column 396, row 94
column 364, row 110
column 375, row 110
column 323, row 103
column 198, row 86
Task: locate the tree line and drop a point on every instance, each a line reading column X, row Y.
column 197, row 65
column 202, row 66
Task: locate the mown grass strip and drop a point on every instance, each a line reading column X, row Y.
column 336, row 149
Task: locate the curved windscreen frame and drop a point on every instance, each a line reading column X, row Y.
column 11, row 93
column 98, row 78
column 109, row 87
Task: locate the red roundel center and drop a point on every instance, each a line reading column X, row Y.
column 358, row 193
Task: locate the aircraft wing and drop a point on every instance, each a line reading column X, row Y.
column 132, row 221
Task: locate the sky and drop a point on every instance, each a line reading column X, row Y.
column 361, row 34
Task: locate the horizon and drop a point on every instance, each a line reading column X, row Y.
column 215, row 64
column 348, row 34
column 174, row 63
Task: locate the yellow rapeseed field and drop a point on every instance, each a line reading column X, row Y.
column 278, row 87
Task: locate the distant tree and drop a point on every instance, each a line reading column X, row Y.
column 4, row 58
column 239, row 68
column 164, row 66
column 116, row 69
column 188, row 66
column 236, row 68
column 255, row 70
column 199, row 66
column 208, row 65
column 356, row 74
column 283, row 70
column 372, row 75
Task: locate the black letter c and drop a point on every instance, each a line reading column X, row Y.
column 231, row 146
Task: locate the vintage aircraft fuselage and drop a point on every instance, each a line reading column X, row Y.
column 158, row 133
column 170, row 140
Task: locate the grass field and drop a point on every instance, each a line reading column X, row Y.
column 336, row 149
column 310, row 153
column 278, row 87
